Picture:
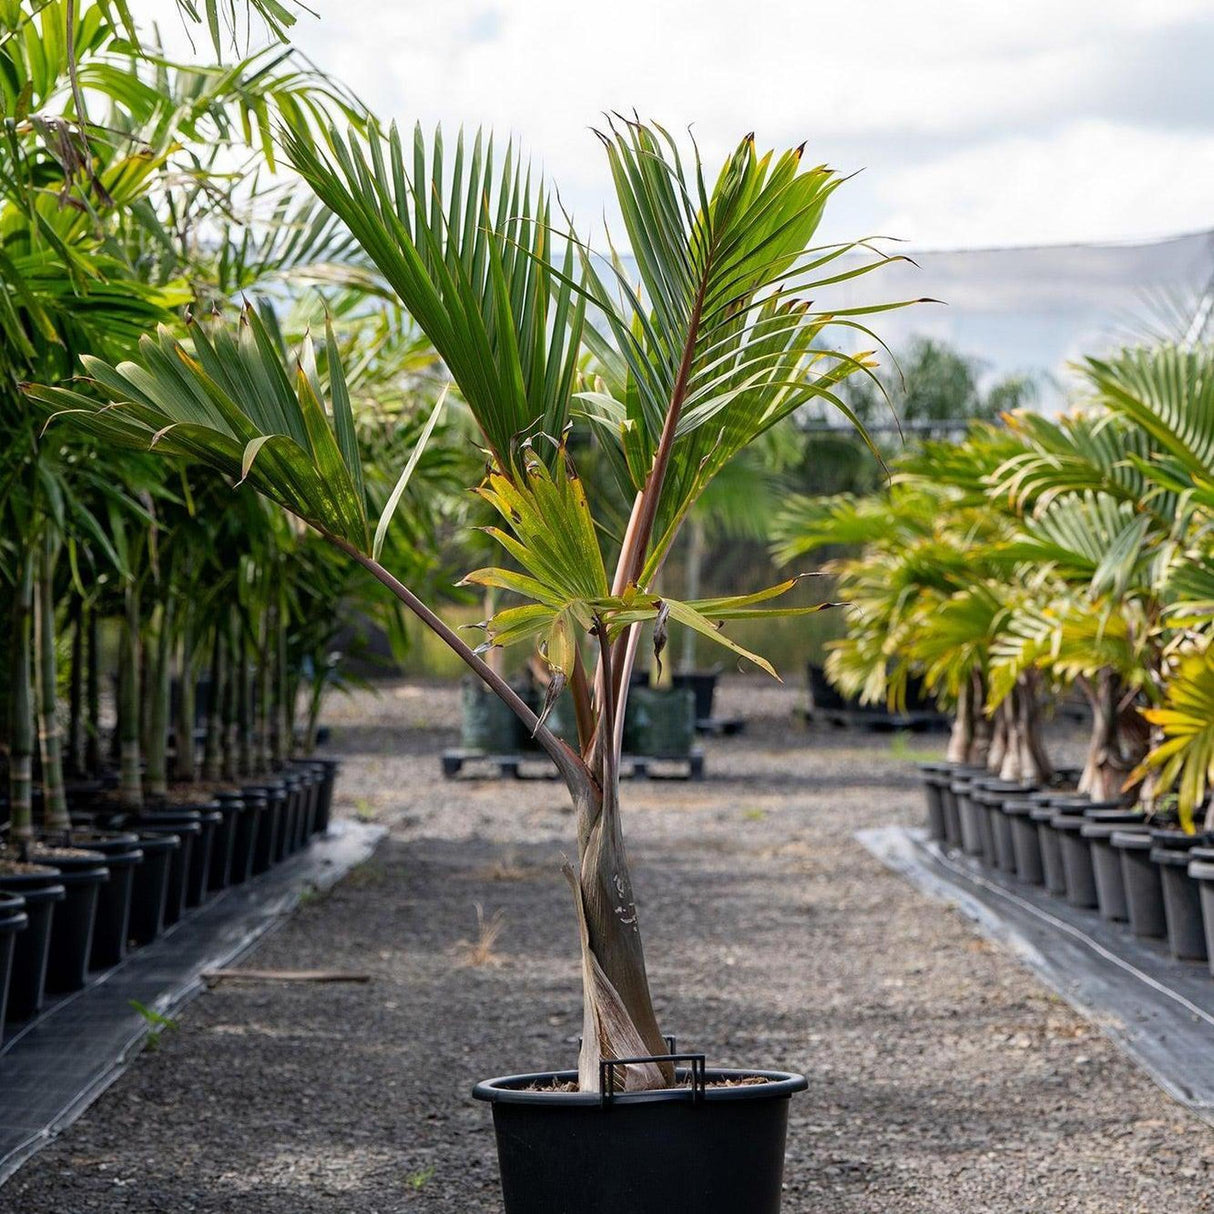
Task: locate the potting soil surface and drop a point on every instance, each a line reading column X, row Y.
column 943, row 1076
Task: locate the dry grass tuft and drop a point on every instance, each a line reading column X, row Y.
column 508, row 868
column 478, row 953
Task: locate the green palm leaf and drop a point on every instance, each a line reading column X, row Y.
column 233, row 403
column 467, row 248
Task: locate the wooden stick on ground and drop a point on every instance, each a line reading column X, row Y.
column 213, row 977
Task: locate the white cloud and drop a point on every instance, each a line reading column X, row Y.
column 1092, row 181
column 976, row 124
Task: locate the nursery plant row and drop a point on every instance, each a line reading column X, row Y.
column 1042, row 558
column 71, row 910
column 1107, row 856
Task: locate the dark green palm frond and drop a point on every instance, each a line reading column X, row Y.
column 718, row 343
column 1077, row 454
column 1167, row 391
column 467, row 248
column 1089, row 536
column 233, row 405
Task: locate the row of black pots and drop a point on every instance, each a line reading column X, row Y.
column 1100, row 856
column 141, row 874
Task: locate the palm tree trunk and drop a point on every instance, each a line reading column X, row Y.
column 244, row 705
column 21, row 754
column 1103, row 772
column 130, row 777
column 276, row 651
column 961, row 737
column 184, row 762
column 212, row 755
column 231, row 673
column 161, row 684
column 998, row 754
column 75, row 716
column 92, row 696
column 618, row 1018
column 54, row 796
column 980, row 735
column 1037, row 759
column 261, row 706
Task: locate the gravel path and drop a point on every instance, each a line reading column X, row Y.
column 942, row 1077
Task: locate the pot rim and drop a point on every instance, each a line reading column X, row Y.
column 509, row 1089
column 51, row 888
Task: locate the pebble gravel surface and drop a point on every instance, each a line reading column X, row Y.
column 942, row 1076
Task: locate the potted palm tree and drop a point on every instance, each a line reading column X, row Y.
column 714, row 345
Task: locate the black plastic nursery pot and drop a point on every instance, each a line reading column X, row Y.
column 660, row 722
column 122, row 856
column 486, row 723
column 159, row 895
column 287, row 821
column 42, row 891
column 1078, row 874
column 956, row 810
column 314, row 776
column 1142, row 882
column 244, row 834
column 297, row 793
column 931, row 774
column 1049, row 841
column 306, row 786
column 267, row 823
column 1078, row 870
column 971, row 815
column 67, row 964
column 1111, row 895
column 223, row 847
column 270, row 840
column 995, row 833
column 324, row 807
column 290, row 818
column 1201, row 872
column 714, row 1150
column 954, row 786
column 190, row 866
column 1026, row 841
column 304, row 806
column 1181, row 904
column 703, row 686
column 13, row 920
column 174, row 866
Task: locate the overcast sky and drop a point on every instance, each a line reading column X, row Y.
column 974, row 124
column 969, row 124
